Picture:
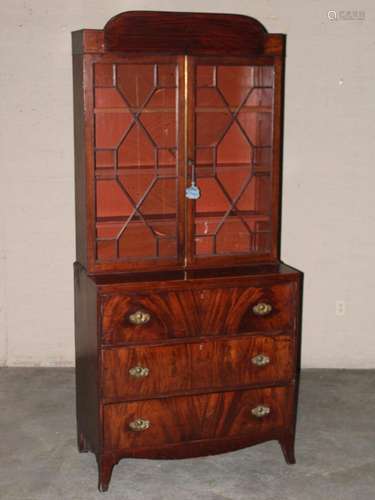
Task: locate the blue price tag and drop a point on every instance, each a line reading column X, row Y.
column 192, row 192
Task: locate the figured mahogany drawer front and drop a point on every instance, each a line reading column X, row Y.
column 145, row 371
column 157, row 422
column 138, row 317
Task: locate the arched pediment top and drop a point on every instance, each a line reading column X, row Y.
column 184, row 33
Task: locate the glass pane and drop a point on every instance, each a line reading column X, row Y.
column 136, row 82
column 233, row 139
column 135, row 161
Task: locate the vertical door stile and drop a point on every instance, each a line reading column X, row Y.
column 189, row 154
column 186, row 154
column 181, row 155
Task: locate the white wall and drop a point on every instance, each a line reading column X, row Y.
column 329, row 176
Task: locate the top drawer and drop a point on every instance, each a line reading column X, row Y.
column 145, row 317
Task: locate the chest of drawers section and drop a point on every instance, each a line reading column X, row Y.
column 186, row 368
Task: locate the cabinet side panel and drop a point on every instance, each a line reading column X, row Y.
column 298, row 345
column 79, row 159
column 87, row 391
column 277, row 154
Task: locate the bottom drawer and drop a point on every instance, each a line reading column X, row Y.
column 158, row 422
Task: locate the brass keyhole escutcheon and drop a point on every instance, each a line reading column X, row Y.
column 262, row 309
column 139, row 372
column 140, row 317
column 260, row 360
column 139, row 425
column 261, row 411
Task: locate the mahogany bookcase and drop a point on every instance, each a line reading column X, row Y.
column 187, row 322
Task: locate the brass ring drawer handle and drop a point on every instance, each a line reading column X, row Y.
column 261, row 411
column 140, row 317
column 261, row 309
column 139, row 372
column 260, row 360
column 139, row 425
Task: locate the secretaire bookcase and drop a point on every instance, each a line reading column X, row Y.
column 187, row 323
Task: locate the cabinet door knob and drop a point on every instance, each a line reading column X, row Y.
column 140, row 317
column 139, row 425
column 260, row 360
column 261, row 309
column 261, row 411
column 139, row 372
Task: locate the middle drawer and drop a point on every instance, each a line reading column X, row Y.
column 140, row 372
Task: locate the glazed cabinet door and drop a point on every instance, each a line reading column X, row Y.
column 138, row 136
column 182, row 160
column 234, row 113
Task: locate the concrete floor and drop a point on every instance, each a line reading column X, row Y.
column 335, row 448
